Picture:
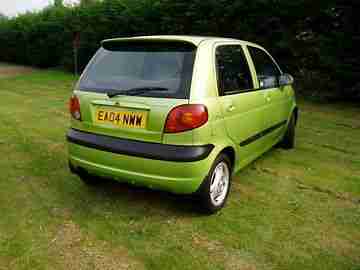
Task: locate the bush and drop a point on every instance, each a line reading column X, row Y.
column 314, row 40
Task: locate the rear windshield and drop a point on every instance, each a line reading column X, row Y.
column 162, row 69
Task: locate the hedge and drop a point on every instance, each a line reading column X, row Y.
column 314, row 40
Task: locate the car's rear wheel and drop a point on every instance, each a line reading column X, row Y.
column 85, row 177
column 88, row 179
column 215, row 189
column 288, row 141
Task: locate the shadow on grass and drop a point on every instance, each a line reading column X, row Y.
column 126, row 200
column 142, row 199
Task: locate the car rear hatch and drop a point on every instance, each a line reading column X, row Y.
column 129, row 87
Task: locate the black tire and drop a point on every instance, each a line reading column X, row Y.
column 288, row 141
column 203, row 194
column 88, row 179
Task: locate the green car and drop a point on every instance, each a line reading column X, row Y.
column 179, row 113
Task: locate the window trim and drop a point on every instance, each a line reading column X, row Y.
column 235, row 92
column 252, row 61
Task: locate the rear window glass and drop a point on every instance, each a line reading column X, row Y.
column 161, row 69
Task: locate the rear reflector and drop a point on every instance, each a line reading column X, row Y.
column 186, row 117
column 74, row 107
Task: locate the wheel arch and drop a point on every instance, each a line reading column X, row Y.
column 229, row 151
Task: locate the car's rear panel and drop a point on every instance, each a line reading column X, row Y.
column 153, row 110
column 123, row 66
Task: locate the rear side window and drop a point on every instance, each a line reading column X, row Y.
column 158, row 69
column 233, row 70
column 267, row 71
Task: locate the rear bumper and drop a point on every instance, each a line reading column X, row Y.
column 178, row 175
column 140, row 149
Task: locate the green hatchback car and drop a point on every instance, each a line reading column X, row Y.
column 179, row 113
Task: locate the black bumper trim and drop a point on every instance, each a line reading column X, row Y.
column 135, row 148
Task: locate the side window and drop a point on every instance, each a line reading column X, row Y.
column 233, row 71
column 267, row 71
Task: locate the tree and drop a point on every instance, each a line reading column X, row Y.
column 314, row 40
column 87, row 2
column 58, row 3
column 2, row 17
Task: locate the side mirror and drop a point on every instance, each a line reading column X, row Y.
column 267, row 82
column 285, row 79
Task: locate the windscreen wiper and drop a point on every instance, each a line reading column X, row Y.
column 136, row 91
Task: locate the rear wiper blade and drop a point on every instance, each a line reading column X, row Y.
column 136, row 91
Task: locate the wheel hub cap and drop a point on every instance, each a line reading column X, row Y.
column 219, row 183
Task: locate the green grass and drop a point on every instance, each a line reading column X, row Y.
column 296, row 209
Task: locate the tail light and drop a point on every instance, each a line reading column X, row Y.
column 74, row 107
column 186, row 117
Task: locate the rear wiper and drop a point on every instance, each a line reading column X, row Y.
column 136, row 91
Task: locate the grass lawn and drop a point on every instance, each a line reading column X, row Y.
column 296, row 209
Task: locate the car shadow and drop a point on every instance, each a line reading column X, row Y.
column 152, row 202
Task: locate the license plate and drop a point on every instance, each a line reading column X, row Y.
column 125, row 119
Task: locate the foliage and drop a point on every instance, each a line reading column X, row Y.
column 314, row 40
column 2, row 17
column 58, row 3
column 87, row 2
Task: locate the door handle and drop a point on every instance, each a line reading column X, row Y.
column 267, row 96
column 231, row 108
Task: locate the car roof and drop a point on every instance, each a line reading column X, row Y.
column 196, row 40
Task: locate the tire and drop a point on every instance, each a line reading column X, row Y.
column 85, row 177
column 212, row 199
column 88, row 179
column 288, row 141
